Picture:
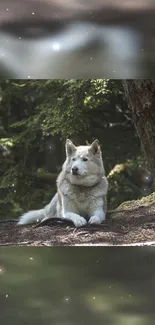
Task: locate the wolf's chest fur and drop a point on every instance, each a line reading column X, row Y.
column 82, row 193
column 80, row 198
column 78, row 193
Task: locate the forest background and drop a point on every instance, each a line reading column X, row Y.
column 36, row 117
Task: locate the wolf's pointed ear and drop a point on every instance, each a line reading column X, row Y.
column 70, row 148
column 95, row 147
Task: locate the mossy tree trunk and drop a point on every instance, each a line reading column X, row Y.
column 140, row 96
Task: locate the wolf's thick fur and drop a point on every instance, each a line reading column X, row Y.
column 81, row 189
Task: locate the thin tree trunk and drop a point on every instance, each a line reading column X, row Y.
column 140, row 96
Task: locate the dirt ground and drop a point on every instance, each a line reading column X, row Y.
column 132, row 225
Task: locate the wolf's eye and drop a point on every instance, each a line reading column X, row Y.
column 85, row 159
column 73, row 159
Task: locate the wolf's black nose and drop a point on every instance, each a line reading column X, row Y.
column 75, row 171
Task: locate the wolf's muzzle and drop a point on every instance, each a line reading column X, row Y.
column 75, row 170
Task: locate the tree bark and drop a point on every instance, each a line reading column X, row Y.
column 140, row 96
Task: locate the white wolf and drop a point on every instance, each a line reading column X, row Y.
column 81, row 189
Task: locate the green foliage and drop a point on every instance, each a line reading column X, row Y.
column 122, row 184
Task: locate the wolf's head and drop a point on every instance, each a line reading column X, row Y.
column 84, row 165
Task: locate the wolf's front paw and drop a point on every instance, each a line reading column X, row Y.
column 75, row 218
column 79, row 221
column 95, row 220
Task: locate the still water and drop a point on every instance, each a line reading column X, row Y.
column 65, row 286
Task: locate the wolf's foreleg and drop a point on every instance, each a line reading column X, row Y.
column 97, row 217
